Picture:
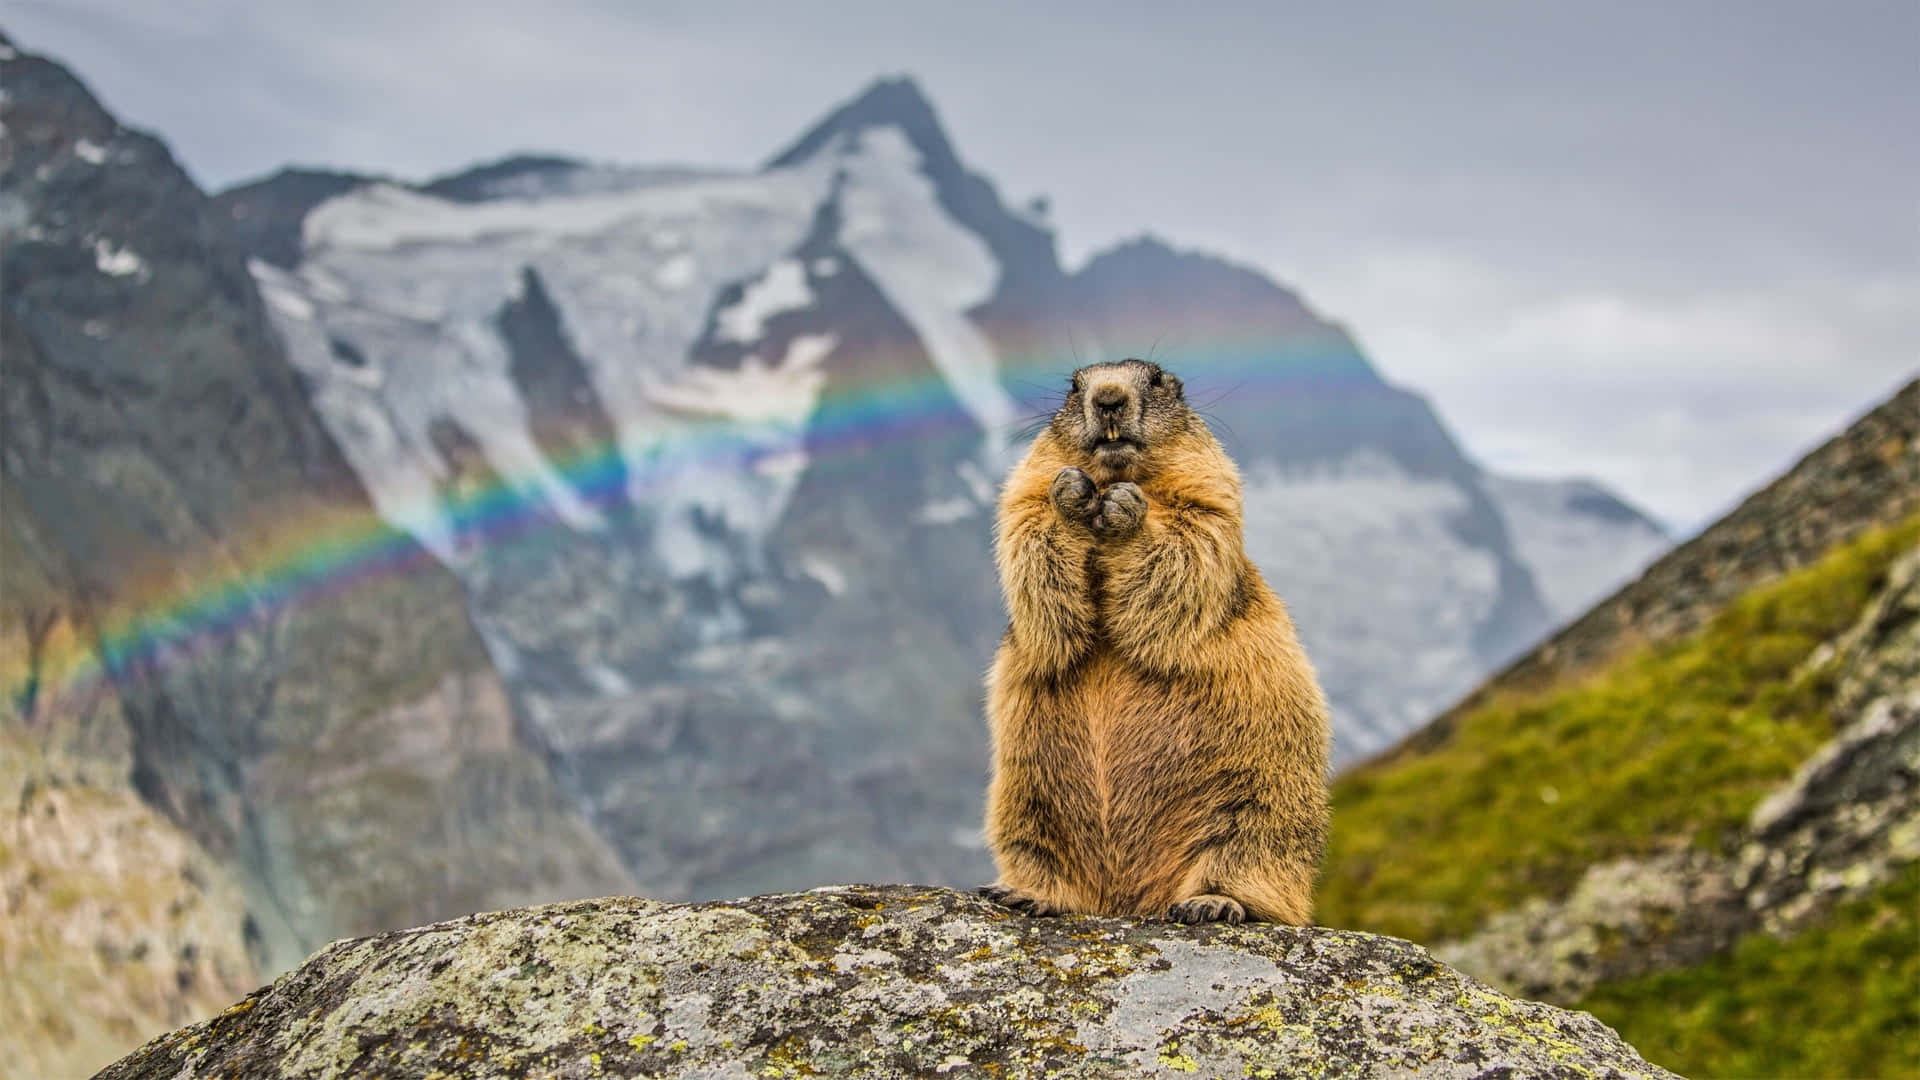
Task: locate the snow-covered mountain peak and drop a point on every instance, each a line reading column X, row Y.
column 413, row 286
column 757, row 419
column 895, row 102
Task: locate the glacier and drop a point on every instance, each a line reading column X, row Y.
column 788, row 596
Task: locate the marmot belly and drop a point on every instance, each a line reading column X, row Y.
column 1138, row 742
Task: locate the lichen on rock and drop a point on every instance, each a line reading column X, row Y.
column 875, row 981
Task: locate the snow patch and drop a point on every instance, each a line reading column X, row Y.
column 978, row 482
column 1579, row 541
column 415, row 284
column 1367, row 559
column 502, row 652
column 785, row 464
column 609, row 682
column 324, row 285
column 90, row 152
column 416, row 373
column 288, row 303
column 830, row 577
column 782, row 288
column 731, row 449
column 756, row 392
column 677, row 272
column 116, row 262
column 931, row 269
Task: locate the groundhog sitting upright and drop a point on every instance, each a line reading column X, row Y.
column 1159, row 738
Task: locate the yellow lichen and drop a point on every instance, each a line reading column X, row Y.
column 1179, row 1062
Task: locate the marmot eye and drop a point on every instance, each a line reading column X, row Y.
column 1159, row 378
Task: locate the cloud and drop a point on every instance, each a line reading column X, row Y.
column 1684, row 402
column 1667, row 245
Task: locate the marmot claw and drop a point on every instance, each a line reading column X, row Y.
column 1074, row 496
column 1209, row 908
column 1122, row 508
column 1007, row 896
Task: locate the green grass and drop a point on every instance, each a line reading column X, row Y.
column 1842, row 1000
column 1674, row 744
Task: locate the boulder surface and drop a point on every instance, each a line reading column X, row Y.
column 875, row 981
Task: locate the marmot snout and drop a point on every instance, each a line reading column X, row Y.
column 1159, row 738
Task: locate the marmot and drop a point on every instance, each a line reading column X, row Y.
column 1159, row 738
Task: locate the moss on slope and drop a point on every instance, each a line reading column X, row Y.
column 1673, row 744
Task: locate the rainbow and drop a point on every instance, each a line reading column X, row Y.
column 333, row 547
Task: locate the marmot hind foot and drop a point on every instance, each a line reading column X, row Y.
column 1208, row 907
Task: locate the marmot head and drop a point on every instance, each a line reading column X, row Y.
column 1118, row 414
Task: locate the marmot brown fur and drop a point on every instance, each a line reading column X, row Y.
column 1159, row 738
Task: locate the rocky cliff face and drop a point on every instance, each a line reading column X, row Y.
column 350, row 761
column 875, row 982
column 114, row 923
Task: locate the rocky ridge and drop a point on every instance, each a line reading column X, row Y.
column 875, row 981
column 333, row 767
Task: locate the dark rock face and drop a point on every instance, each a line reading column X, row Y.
column 1279, row 384
column 875, row 981
column 564, row 415
column 263, row 218
column 158, row 450
column 486, row 181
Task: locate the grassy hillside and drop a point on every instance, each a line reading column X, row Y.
column 1667, row 745
column 1671, row 744
column 1840, row 1000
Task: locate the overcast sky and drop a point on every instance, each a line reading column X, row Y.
column 1670, row 246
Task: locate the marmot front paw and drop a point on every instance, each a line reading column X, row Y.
column 1074, row 496
column 1122, row 508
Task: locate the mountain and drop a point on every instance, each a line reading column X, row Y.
column 1575, row 536
column 678, row 296
column 1694, row 811
column 205, row 781
column 381, row 551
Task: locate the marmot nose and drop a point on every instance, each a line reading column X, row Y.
column 1109, row 398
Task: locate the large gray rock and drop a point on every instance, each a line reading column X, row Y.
column 875, row 981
